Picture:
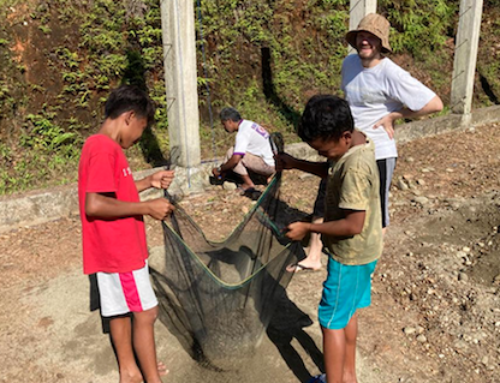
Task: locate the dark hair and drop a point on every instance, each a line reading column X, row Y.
column 325, row 117
column 229, row 113
column 127, row 98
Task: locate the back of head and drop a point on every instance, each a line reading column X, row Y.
column 325, row 117
column 129, row 98
column 230, row 114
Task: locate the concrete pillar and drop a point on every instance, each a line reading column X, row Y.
column 464, row 66
column 359, row 9
column 179, row 49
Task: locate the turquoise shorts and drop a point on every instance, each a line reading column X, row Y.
column 346, row 289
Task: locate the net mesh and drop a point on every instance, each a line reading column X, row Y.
column 219, row 297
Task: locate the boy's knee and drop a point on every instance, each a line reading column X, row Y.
column 148, row 315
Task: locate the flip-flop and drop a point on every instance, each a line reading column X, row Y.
column 297, row 267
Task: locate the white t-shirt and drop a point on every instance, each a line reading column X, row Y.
column 253, row 138
column 373, row 93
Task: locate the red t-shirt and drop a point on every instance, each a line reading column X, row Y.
column 109, row 245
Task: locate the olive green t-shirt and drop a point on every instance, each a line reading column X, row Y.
column 353, row 184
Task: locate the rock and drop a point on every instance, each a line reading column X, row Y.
column 409, row 159
column 304, row 176
column 461, row 254
column 402, row 185
column 421, row 338
column 421, row 200
column 449, row 170
column 466, row 249
column 229, row 186
column 421, row 182
column 485, row 360
column 463, row 277
column 420, row 330
column 409, row 330
column 497, row 278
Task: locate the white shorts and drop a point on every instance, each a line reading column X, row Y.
column 121, row 293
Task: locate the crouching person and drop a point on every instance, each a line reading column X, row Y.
column 251, row 152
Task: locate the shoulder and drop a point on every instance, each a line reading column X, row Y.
column 351, row 61
column 246, row 124
column 100, row 144
column 394, row 71
column 362, row 162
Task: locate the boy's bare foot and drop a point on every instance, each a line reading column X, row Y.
column 162, row 369
column 134, row 376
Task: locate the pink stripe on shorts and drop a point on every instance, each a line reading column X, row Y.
column 122, row 293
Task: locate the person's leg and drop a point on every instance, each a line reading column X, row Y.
column 313, row 259
column 386, row 168
column 144, row 344
column 334, row 351
column 351, row 334
column 256, row 165
column 121, row 335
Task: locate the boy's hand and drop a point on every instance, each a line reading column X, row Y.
column 298, row 230
column 283, row 161
column 162, row 179
column 159, row 208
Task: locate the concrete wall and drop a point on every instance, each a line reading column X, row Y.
column 37, row 207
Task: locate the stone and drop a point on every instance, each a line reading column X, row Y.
column 409, row 330
column 421, row 200
column 402, row 185
column 421, row 338
column 463, row 277
column 229, row 186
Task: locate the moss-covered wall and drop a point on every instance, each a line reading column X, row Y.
column 59, row 58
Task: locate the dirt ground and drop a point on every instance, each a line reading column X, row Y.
column 435, row 314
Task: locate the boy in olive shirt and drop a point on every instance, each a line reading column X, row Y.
column 352, row 229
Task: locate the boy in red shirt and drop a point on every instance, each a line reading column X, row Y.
column 114, row 237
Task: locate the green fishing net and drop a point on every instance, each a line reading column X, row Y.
column 219, row 297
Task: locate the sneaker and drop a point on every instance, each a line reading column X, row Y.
column 318, row 379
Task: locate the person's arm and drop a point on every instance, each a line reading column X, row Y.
column 433, row 106
column 348, row 226
column 105, row 205
column 159, row 180
column 286, row 161
column 227, row 166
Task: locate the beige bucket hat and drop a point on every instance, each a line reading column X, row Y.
column 375, row 24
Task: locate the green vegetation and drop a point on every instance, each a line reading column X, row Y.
column 264, row 57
